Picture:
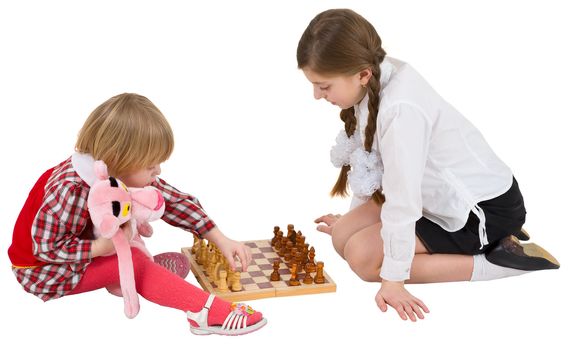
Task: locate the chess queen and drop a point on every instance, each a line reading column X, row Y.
column 417, row 169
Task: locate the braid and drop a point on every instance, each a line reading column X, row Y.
column 349, row 118
column 373, row 103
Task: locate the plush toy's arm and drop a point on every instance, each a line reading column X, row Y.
column 126, row 274
column 144, row 229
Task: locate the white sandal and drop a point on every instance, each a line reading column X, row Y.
column 235, row 323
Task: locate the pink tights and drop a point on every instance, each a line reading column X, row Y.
column 156, row 284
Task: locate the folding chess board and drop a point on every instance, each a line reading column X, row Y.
column 255, row 281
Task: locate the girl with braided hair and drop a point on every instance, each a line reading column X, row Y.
column 416, row 167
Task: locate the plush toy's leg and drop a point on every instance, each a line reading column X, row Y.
column 126, row 274
column 138, row 242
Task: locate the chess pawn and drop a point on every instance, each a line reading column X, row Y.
column 291, row 233
column 236, row 285
column 308, row 279
column 230, row 273
column 202, row 254
column 281, row 250
column 274, row 277
column 278, row 242
column 208, row 256
column 300, row 237
column 288, row 251
column 294, row 276
column 275, row 235
column 297, row 259
column 319, row 279
column 305, row 251
column 211, row 266
column 222, row 285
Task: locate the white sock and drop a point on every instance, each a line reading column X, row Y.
column 483, row 270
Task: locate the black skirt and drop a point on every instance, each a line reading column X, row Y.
column 504, row 216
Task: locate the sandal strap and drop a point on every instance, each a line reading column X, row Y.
column 234, row 321
column 201, row 317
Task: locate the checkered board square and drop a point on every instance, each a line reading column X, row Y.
column 255, row 281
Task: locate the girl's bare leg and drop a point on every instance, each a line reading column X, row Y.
column 364, row 253
column 353, row 222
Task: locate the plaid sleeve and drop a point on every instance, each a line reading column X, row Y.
column 62, row 217
column 183, row 210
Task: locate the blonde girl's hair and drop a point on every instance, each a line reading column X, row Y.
column 341, row 42
column 128, row 132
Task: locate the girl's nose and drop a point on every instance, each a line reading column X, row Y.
column 157, row 170
column 318, row 93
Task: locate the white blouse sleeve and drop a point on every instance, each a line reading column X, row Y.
column 404, row 136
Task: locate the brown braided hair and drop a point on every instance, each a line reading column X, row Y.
column 341, row 42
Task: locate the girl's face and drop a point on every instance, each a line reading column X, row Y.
column 343, row 91
column 143, row 177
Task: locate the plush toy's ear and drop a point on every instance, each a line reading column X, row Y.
column 100, row 170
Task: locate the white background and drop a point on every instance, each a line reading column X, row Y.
column 253, row 145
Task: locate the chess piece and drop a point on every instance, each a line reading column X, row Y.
column 230, row 275
column 291, row 233
column 236, row 283
column 195, row 247
column 222, row 285
column 209, row 256
column 282, row 248
column 275, row 235
column 202, row 253
column 211, row 266
column 319, row 279
column 311, row 256
column 308, row 279
column 305, row 251
column 274, row 277
column 294, row 276
column 219, row 265
column 288, row 251
column 297, row 259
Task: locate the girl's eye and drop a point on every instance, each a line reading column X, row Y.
column 324, row 87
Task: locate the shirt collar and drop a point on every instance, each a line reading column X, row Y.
column 83, row 164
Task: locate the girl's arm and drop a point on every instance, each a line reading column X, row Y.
column 58, row 224
column 183, row 210
column 404, row 138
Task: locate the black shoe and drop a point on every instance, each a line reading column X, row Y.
column 509, row 252
column 522, row 235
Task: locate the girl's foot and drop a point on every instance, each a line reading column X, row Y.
column 221, row 317
column 174, row 262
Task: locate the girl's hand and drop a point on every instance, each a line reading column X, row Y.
column 231, row 249
column 329, row 220
column 395, row 295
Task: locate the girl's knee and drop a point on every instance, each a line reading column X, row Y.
column 139, row 257
column 340, row 235
column 364, row 264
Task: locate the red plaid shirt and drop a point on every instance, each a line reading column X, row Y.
column 62, row 231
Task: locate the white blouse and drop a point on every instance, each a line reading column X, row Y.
column 436, row 164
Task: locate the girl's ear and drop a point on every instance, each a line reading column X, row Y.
column 100, row 170
column 364, row 75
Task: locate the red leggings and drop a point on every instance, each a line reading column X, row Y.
column 152, row 281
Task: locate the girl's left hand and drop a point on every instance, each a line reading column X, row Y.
column 394, row 294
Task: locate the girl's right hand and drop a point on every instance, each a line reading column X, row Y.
column 328, row 220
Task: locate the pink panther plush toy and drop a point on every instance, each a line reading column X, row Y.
column 111, row 204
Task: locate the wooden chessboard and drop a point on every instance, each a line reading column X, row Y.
column 255, row 281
